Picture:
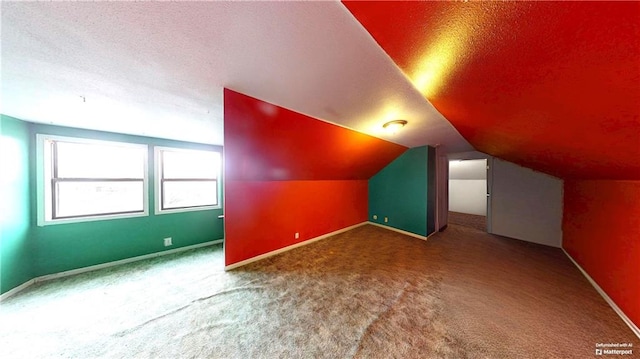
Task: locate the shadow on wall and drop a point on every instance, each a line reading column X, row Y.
column 468, row 186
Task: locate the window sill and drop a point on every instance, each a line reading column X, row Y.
column 182, row 210
column 52, row 222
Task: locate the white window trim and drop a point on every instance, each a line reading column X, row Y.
column 43, row 176
column 157, row 193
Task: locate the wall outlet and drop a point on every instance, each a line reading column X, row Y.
column 386, row 219
column 167, row 242
column 297, row 235
column 375, row 216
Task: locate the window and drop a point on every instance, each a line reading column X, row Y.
column 83, row 179
column 186, row 179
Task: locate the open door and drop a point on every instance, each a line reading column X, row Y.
column 468, row 193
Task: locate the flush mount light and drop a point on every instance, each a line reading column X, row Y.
column 394, row 126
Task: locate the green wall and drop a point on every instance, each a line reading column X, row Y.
column 63, row 247
column 30, row 251
column 399, row 192
column 15, row 245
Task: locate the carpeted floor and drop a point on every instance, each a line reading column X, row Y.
column 468, row 220
column 366, row 293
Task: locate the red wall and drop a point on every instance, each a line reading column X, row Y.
column 265, row 142
column 286, row 172
column 263, row 216
column 601, row 228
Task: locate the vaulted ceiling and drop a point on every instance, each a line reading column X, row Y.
column 554, row 86
column 159, row 68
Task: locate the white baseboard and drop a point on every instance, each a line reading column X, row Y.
column 288, row 248
column 401, row 231
column 103, row 265
column 634, row 328
column 17, row 289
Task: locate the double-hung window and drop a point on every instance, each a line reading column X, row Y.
column 186, row 180
column 86, row 179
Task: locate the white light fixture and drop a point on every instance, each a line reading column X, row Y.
column 393, row 126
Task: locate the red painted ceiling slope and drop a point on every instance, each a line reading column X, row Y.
column 265, row 142
column 554, row 86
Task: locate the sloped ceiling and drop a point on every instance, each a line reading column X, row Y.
column 554, row 86
column 159, row 68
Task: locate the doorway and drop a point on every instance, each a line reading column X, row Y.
column 468, row 192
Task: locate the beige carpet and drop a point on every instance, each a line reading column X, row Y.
column 367, row 293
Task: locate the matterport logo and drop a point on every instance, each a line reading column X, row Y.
column 614, row 348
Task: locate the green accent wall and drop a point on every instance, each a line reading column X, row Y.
column 29, row 251
column 63, row 247
column 15, row 244
column 399, row 192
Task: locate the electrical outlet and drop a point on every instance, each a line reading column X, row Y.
column 375, row 216
column 297, row 235
column 167, row 242
column 386, row 219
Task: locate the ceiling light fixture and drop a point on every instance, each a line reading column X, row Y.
column 394, row 126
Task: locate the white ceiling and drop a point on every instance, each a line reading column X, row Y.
column 158, row 68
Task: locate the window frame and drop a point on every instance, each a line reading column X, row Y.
column 159, row 180
column 45, row 181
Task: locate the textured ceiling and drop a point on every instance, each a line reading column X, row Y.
column 554, row 86
column 159, row 68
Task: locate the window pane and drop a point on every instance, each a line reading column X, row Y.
column 83, row 160
column 86, row 198
column 190, row 164
column 190, row 193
